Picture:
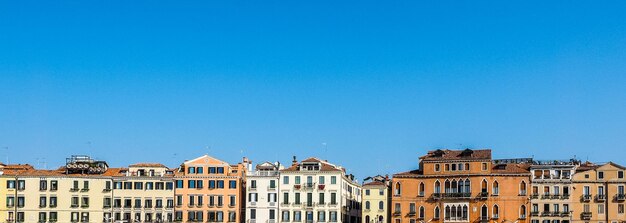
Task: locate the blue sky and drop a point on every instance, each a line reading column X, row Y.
column 379, row 82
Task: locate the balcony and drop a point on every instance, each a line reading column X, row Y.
column 84, row 190
column 534, row 196
column 565, row 196
column 251, row 188
column 74, row 189
column 545, row 196
column 545, row 213
column 565, row 214
column 297, row 186
column 412, row 213
column 555, row 196
column 270, row 188
column 534, row 213
column 620, row 197
column 600, row 198
column 585, row 198
column 483, row 195
column 585, row 216
column 397, row 213
column 456, row 195
column 556, row 214
column 309, row 186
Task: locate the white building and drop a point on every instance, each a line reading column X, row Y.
column 262, row 193
column 318, row 191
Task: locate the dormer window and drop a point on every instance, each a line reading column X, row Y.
column 310, row 166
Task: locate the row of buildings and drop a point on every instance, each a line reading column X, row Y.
column 456, row 186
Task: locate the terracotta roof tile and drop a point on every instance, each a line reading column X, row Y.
column 466, row 154
column 147, row 165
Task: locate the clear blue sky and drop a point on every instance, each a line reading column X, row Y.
column 381, row 83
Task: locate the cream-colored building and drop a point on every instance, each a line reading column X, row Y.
column 74, row 193
column 143, row 192
column 598, row 193
column 551, row 191
column 376, row 198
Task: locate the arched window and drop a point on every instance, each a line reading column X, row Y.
column 446, row 185
column 421, row 212
column 421, row 189
column 436, row 214
column 397, row 189
column 367, row 218
column 380, row 218
column 522, row 212
column 483, row 186
column 496, row 212
column 522, row 188
column 465, row 214
column 459, row 212
column 468, row 189
column 437, row 187
column 367, row 205
column 447, row 213
column 453, row 186
column 381, row 205
column 496, row 189
column 461, row 187
column 484, row 213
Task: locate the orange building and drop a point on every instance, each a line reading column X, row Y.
column 462, row 186
column 210, row 190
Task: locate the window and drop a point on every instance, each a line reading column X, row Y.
column 333, row 216
column 437, row 167
column 333, row 180
column 199, row 170
column 191, row 184
column 397, row 208
column 421, row 214
column 191, row 170
column 600, row 208
column 436, row 213
column 43, row 201
column 600, row 175
column 496, row 212
column 484, row 212
column 467, row 166
column 620, row 208
column 620, row 174
column 285, row 216
column 367, row 192
column 381, row 205
column 381, row 192
column 484, row 166
column 54, row 185
column 367, row 205
column 297, row 180
column 297, row 198
column 10, row 184
column 297, row 216
column 522, row 212
column 333, row 198
column 220, row 184
column 321, row 216
column 43, row 185
column 321, row 180
column 397, row 189
column 272, row 184
column 496, row 188
column 53, row 202
column 179, row 184
column 220, row 170
column 421, row 189
column 447, row 167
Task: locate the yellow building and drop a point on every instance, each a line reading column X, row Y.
column 598, row 193
column 376, row 199
column 68, row 194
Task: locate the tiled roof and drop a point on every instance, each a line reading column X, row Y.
column 374, row 183
column 511, row 168
column 466, row 154
column 147, row 165
column 325, row 166
column 409, row 173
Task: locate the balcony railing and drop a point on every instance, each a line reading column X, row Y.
column 564, row 196
column 534, row 196
column 600, row 197
column 534, row 213
column 397, row 213
column 565, row 214
column 586, row 215
column 620, row 197
column 586, row 197
column 483, row 195
column 545, row 213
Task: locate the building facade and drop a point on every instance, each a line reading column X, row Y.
column 598, row 193
column 143, row 192
column 262, row 193
column 551, row 191
column 318, row 191
column 208, row 189
column 462, row 186
column 73, row 193
column 376, row 198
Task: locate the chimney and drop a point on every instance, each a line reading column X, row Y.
column 294, row 162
